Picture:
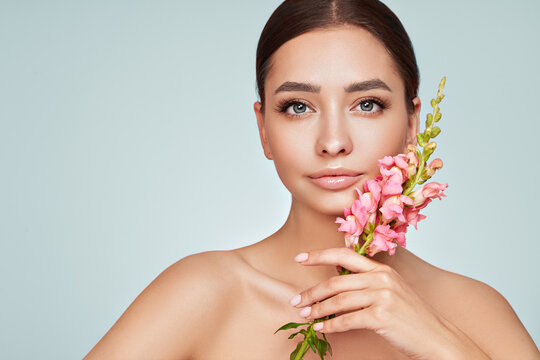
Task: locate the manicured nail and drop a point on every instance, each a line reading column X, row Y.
column 296, row 299
column 305, row 311
column 318, row 326
column 301, row 257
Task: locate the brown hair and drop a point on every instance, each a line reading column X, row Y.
column 295, row 17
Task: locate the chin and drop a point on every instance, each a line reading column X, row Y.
column 332, row 203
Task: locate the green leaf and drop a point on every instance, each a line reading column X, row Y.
column 321, row 348
column 295, row 352
column 294, row 334
column 311, row 345
column 291, row 325
column 435, row 131
column 329, row 347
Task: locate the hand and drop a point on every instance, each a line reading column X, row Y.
column 374, row 296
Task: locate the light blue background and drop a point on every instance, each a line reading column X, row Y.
column 128, row 141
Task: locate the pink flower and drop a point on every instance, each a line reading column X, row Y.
column 427, row 192
column 351, row 240
column 401, row 230
column 374, row 187
column 368, row 200
column 412, row 158
column 351, row 228
column 394, row 168
column 413, row 216
column 360, row 212
column 436, row 164
column 383, row 238
column 390, row 187
column 393, row 207
column 365, row 208
column 349, row 225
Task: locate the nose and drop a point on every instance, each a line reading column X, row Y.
column 334, row 136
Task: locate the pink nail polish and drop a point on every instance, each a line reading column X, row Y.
column 296, row 299
column 305, row 311
column 318, row 326
column 301, row 257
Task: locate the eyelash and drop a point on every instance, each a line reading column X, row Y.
column 285, row 104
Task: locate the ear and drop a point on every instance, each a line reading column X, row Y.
column 414, row 123
column 257, row 106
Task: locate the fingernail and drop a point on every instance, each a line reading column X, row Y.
column 296, row 299
column 318, row 326
column 305, row 311
column 301, row 257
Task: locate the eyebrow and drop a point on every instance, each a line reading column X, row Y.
column 355, row 86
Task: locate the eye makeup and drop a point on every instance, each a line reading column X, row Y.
column 370, row 101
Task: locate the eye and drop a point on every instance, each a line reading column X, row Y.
column 371, row 106
column 298, row 108
column 293, row 108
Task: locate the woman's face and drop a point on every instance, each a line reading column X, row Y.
column 333, row 99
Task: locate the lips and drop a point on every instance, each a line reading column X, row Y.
column 334, row 172
column 335, row 179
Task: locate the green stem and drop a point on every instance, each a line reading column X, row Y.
column 300, row 353
column 410, row 188
column 367, row 241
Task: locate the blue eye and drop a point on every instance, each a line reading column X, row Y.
column 299, row 108
column 368, row 105
column 293, row 108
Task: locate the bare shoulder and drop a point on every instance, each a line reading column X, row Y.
column 170, row 317
column 484, row 315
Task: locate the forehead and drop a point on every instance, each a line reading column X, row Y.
column 333, row 58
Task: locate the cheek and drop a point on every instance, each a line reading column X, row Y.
column 383, row 139
column 291, row 151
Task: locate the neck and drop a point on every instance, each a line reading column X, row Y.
column 308, row 229
column 305, row 230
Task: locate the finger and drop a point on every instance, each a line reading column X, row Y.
column 343, row 256
column 361, row 319
column 334, row 286
column 385, row 278
column 341, row 303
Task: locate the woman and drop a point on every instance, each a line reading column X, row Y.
column 338, row 84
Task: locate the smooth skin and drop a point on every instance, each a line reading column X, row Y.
column 227, row 304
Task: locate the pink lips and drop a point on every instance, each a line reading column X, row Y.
column 335, row 179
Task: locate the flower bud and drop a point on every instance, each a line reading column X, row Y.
column 428, row 150
column 431, row 146
column 427, row 173
column 420, row 139
column 429, row 120
column 412, row 158
column 436, row 164
column 411, row 171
